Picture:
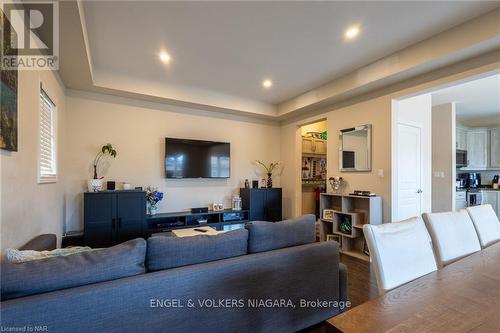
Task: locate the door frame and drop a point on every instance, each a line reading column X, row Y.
column 395, row 122
column 297, row 208
column 395, row 171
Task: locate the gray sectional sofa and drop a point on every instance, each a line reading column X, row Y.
column 265, row 278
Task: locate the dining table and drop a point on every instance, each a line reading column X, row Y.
column 461, row 297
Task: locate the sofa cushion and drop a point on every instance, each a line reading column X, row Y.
column 266, row 236
column 40, row 276
column 169, row 252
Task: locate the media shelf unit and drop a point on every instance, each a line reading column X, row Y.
column 359, row 210
column 219, row 220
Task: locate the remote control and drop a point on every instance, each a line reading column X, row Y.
column 200, row 230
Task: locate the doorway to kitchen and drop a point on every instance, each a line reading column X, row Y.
column 313, row 164
column 446, row 147
column 466, row 166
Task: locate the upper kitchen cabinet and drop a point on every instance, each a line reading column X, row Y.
column 477, row 148
column 461, row 138
column 495, row 148
column 313, row 146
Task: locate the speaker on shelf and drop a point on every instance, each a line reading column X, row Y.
column 199, row 210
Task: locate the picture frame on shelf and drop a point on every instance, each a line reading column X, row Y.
column 334, row 238
column 328, row 214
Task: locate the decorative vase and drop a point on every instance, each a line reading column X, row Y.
column 269, row 180
column 346, row 225
column 95, row 185
column 337, row 184
column 152, row 209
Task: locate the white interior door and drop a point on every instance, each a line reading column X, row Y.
column 409, row 164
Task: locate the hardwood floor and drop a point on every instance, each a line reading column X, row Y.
column 361, row 282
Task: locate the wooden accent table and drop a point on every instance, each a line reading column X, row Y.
column 462, row 297
column 192, row 232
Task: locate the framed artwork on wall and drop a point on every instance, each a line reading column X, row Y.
column 8, row 93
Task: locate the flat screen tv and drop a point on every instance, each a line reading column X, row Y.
column 186, row 158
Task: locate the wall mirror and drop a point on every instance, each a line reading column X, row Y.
column 355, row 148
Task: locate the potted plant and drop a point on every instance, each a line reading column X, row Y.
column 269, row 170
column 95, row 184
column 153, row 197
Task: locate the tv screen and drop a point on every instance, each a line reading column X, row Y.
column 196, row 159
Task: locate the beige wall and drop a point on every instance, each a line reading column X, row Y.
column 138, row 129
column 29, row 208
column 376, row 112
column 443, row 157
column 138, row 132
column 372, row 112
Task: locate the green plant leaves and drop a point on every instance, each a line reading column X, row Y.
column 109, row 148
column 269, row 168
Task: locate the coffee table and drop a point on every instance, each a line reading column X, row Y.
column 191, row 232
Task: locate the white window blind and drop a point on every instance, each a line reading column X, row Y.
column 47, row 162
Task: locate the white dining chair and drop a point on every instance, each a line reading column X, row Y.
column 486, row 223
column 453, row 235
column 400, row 252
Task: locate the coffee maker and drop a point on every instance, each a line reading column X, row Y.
column 473, row 180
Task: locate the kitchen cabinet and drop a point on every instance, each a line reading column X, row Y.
column 460, row 200
column 112, row 217
column 495, row 148
column 461, row 138
column 477, row 148
column 313, row 146
column 491, row 197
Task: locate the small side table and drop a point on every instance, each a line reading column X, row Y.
column 191, row 232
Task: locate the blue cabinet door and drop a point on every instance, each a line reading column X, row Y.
column 99, row 219
column 273, row 205
column 114, row 217
column 131, row 216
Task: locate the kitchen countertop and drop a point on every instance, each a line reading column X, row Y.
column 481, row 189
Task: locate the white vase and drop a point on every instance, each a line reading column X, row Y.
column 95, row 185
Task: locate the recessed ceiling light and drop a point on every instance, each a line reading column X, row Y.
column 267, row 83
column 164, row 57
column 352, row 32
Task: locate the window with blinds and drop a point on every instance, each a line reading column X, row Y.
column 47, row 161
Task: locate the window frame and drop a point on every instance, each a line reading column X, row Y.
column 47, row 179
